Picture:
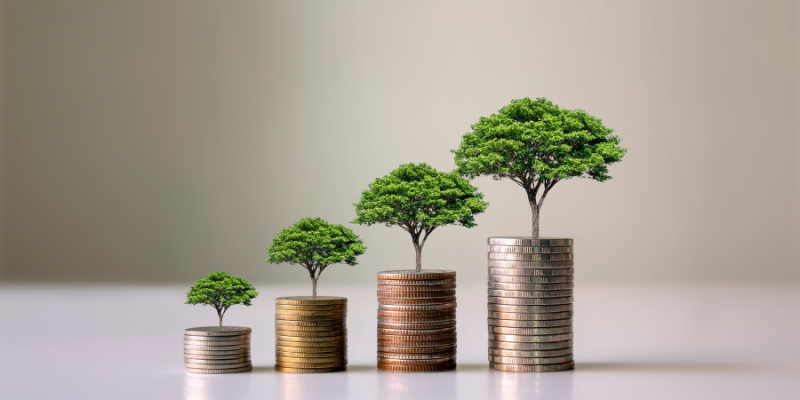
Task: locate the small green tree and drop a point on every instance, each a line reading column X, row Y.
column 419, row 199
column 221, row 291
column 536, row 144
column 315, row 244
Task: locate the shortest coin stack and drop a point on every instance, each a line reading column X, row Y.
column 311, row 334
column 417, row 321
column 217, row 349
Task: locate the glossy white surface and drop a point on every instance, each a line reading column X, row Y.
column 631, row 342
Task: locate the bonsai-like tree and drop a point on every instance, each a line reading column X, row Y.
column 221, row 291
column 315, row 244
column 419, row 199
column 536, row 144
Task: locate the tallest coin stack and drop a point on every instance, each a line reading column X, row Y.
column 530, row 304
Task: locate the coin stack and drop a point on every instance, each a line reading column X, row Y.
column 217, row 349
column 311, row 334
column 417, row 321
column 530, row 304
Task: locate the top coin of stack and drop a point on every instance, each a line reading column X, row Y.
column 417, row 321
column 530, row 304
column 217, row 349
column 311, row 334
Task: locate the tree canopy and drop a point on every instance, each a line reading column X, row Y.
column 221, row 291
column 419, row 199
column 536, row 144
column 315, row 244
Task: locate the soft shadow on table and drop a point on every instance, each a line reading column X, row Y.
column 361, row 368
column 662, row 367
column 472, row 367
column 263, row 369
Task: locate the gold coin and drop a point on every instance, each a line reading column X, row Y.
column 219, row 371
column 311, row 350
column 530, row 331
column 531, row 294
column 426, row 288
column 279, row 368
column 320, row 323
column 311, row 339
column 533, row 368
column 414, row 332
column 287, row 317
column 340, row 354
column 420, row 320
column 295, row 328
column 311, row 307
column 532, row 279
column 530, row 338
column 311, row 365
column 441, row 300
column 280, row 332
column 530, row 324
column 283, row 360
column 417, row 356
column 496, row 344
column 341, row 312
column 550, row 301
column 416, row 314
column 417, row 350
column 531, row 353
column 331, row 345
column 530, row 309
column 529, row 241
column 309, row 300
column 416, row 295
column 428, row 325
column 414, row 275
column 401, row 282
column 416, row 368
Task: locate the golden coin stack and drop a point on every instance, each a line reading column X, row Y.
column 530, row 304
column 417, row 321
column 217, row 349
column 311, row 334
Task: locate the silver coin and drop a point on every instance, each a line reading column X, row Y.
column 218, row 331
column 531, row 353
column 530, row 360
column 529, row 324
column 531, row 286
column 529, row 317
column 532, row 279
column 245, row 337
column 530, row 257
column 497, row 344
column 216, row 362
column 529, row 309
column 218, row 366
column 544, row 250
column 214, row 342
column 209, row 348
column 417, row 307
column 555, row 271
column 529, row 241
column 216, row 352
column 529, row 294
column 530, row 338
column 533, row 368
column 531, row 264
column 216, row 357
column 551, row 301
column 219, row 371
column 555, row 330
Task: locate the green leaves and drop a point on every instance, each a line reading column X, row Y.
column 221, row 290
column 529, row 140
column 313, row 242
column 417, row 197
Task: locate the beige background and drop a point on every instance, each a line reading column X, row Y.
column 160, row 140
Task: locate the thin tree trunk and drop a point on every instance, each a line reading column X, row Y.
column 314, row 284
column 418, row 248
column 220, row 317
column 534, row 220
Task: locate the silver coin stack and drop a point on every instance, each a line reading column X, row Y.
column 217, row 349
column 530, row 304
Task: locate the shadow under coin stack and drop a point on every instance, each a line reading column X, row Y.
column 217, row 349
column 311, row 334
column 530, row 304
column 417, row 321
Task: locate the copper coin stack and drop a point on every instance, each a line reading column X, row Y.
column 530, row 304
column 311, row 334
column 417, row 321
column 217, row 349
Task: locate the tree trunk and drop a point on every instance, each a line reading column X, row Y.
column 220, row 318
column 419, row 256
column 535, row 220
column 314, row 285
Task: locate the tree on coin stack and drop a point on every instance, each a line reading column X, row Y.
column 219, row 349
column 536, row 145
column 311, row 331
column 417, row 308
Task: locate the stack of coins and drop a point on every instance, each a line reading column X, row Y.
column 530, row 304
column 311, row 334
column 417, row 321
column 217, row 349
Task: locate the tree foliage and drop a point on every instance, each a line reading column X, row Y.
column 536, row 144
column 315, row 244
column 221, row 291
column 419, row 199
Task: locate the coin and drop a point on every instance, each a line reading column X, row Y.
column 529, row 241
column 417, row 338
column 395, row 361
column 218, row 331
column 530, row 331
column 531, row 286
column 283, row 360
column 530, row 360
column 414, row 275
column 214, row 357
column 417, row 295
column 530, row 353
column 529, row 338
column 286, row 317
column 533, row 279
column 311, row 307
column 533, row 368
column 529, row 293
column 309, row 370
column 216, row 362
column 428, row 325
column 529, row 317
column 416, row 368
column 529, row 249
column 417, row 307
column 441, row 300
column 565, row 256
column 544, row 266
column 304, row 345
column 419, row 320
column 296, row 328
column 417, row 349
column 414, row 282
column 529, row 309
column 218, row 366
column 324, row 322
column 430, row 288
column 311, row 339
column 219, row 371
column 209, row 348
column 308, row 300
column 529, row 324
column 417, row 356
column 280, row 332
column 216, row 338
column 390, row 343
column 340, row 354
column 340, row 312
column 416, row 314
column 216, row 352
column 530, row 302
column 311, row 365
column 214, row 343
column 311, row 350
column 496, row 344
column 414, row 332
column 561, row 271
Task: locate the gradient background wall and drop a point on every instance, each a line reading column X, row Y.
column 156, row 141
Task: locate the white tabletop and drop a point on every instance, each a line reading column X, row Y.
column 671, row 341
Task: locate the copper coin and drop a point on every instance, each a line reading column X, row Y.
column 416, row 320
column 429, row 325
column 415, row 332
column 416, row 368
column 389, row 343
column 426, row 288
column 416, row 314
column 416, row 295
column 417, row 338
column 401, row 282
column 417, row 350
column 417, row 356
column 417, row 307
column 394, row 361
column 441, row 300
column 414, row 275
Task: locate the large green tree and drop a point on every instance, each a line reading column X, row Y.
column 536, row 145
column 419, row 199
column 315, row 244
column 221, row 291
